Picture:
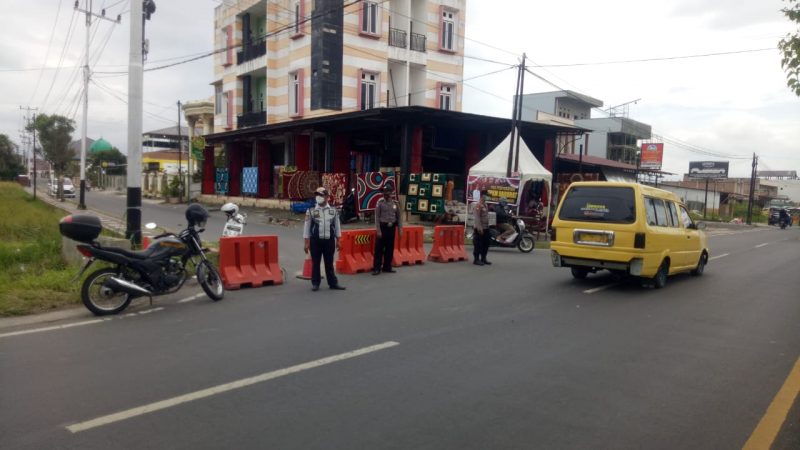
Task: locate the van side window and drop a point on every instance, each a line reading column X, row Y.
column 650, row 209
column 687, row 220
column 673, row 214
column 661, row 212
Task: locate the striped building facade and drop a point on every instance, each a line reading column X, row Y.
column 285, row 60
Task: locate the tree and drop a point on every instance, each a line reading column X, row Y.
column 10, row 164
column 790, row 46
column 55, row 134
column 114, row 161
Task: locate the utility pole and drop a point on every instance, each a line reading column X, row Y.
column 517, row 101
column 86, row 77
column 29, row 109
column 180, row 155
column 140, row 10
column 519, row 110
column 752, row 189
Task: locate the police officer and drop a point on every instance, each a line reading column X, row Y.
column 387, row 219
column 321, row 233
column 480, row 235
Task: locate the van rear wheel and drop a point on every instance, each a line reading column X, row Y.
column 701, row 265
column 660, row 280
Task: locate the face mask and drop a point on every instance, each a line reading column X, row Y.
column 320, row 199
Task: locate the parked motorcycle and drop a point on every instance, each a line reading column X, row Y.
column 521, row 238
column 160, row 269
column 234, row 226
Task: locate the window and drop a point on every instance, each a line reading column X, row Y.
column 687, row 220
column 296, row 93
column 369, row 90
column 369, row 18
column 657, row 212
column 218, row 99
column 446, row 99
column 650, row 210
column 673, row 214
column 447, row 30
column 599, row 204
column 661, row 212
column 299, row 17
column 228, row 37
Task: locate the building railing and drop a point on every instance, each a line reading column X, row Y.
column 252, row 50
column 252, row 119
column 418, row 42
column 397, row 38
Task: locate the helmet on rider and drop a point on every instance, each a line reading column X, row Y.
column 230, row 209
column 196, row 215
column 503, row 201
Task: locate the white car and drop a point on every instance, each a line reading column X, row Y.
column 69, row 188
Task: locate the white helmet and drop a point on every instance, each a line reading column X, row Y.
column 230, row 209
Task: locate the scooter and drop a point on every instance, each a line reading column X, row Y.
column 234, row 226
column 521, row 238
column 783, row 221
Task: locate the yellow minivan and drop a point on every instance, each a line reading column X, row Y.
column 629, row 229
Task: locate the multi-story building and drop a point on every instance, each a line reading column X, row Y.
column 284, row 60
column 612, row 138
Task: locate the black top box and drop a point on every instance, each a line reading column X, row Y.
column 80, row 227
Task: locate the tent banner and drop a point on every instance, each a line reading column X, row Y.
column 497, row 187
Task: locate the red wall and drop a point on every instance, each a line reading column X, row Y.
column 235, row 172
column 208, row 171
column 302, row 152
column 416, row 151
column 264, row 169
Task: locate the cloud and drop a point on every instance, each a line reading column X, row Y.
column 730, row 14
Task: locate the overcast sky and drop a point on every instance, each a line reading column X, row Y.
column 734, row 104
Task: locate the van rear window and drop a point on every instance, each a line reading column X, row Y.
column 599, row 204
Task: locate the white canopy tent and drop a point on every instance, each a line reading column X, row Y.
column 495, row 164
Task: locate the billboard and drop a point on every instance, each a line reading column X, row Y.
column 708, row 169
column 652, row 155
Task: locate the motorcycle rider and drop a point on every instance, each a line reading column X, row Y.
column 503, row 220
column 783, row 217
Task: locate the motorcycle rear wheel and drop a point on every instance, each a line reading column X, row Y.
column 210, row 281
column 100, row 300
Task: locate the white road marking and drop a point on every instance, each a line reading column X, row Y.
column 148, row 311
column 174, row 401
column 718, row 256
column 192, row 298
column 57, row 327
column 598, row 289
column 762, row 245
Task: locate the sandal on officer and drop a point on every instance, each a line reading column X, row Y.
column 321, row 233
column 387, row 219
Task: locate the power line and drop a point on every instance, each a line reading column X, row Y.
column 61, row 58
column 47, row 53
column 666, row 58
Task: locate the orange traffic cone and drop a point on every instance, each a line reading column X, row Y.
column 305, row 274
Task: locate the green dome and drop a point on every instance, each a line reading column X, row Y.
column 100, row 145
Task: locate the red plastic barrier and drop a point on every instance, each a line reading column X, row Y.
column 448, row 244
column 358, row 248
column 408, row 249
column 249, row 260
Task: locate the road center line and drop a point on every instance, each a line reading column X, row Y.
column 600, row 288
column 762, row 245
column 718, row 256
column 768, row 427
column 174, row 401
column 57, row 327
column 192, row 298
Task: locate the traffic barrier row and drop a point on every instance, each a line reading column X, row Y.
column 249, row 260
column 408, row 249
column 357, row 250
column 448, row 244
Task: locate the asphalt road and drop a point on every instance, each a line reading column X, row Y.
column 447, row 356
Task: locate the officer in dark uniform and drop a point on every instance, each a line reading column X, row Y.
column 387, row 219
column 321, row 233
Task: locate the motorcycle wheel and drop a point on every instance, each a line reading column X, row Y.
column 210, row 281
column 100, row 300
column 526, row 244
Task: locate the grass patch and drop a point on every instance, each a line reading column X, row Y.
column 33, row 275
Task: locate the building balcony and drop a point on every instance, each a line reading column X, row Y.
column 251, row 50
column 252, row 119
column 418, row 42
column 397, row 38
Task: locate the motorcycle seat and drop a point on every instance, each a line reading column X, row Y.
column 140, row 254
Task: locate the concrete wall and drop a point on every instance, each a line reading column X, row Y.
column 789, row 188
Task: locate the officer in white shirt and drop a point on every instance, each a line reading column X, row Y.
column 321, row 233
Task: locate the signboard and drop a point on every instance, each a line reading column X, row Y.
column 708, row 169
column 652, row 155
column 497, row 187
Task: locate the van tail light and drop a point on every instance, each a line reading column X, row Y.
column 639, row 240
column 84, row 250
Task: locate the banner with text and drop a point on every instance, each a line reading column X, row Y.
column 652, row 156
column 497, row 187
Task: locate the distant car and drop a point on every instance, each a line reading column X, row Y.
column 69, row 188
column 773, row 216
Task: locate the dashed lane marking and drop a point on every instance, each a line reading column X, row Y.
column 219, row 389
column 77, row 324
column 718, row 256
column 600, row 288
column 190, row 299
column 762, row 245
